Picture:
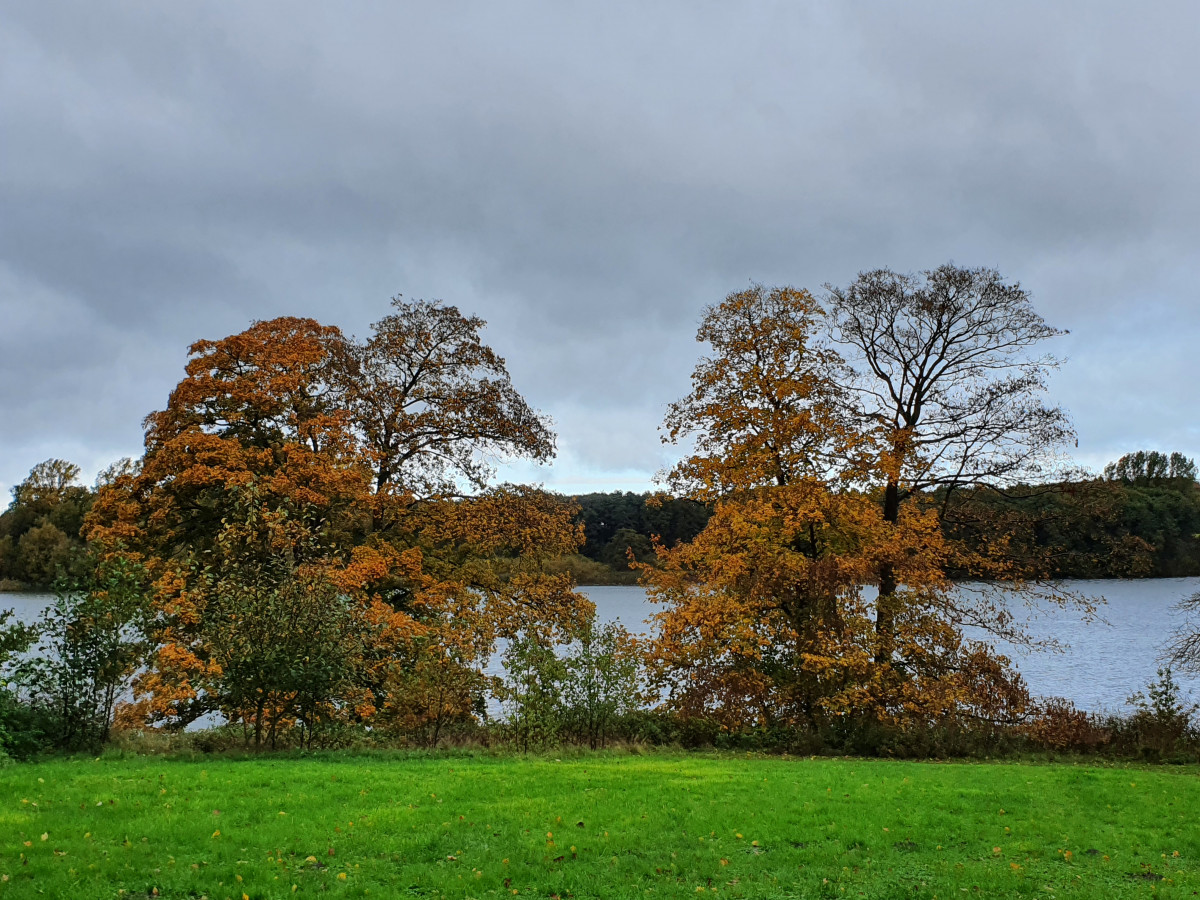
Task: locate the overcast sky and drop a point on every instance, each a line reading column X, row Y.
column 586, row 177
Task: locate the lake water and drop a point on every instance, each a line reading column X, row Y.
column 1102, row 663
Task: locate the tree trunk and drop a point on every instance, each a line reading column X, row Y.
column 885, row 605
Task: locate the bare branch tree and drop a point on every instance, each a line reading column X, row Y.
column 948, row 371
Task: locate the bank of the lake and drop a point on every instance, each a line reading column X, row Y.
column 660, row 825
column 1102, row 662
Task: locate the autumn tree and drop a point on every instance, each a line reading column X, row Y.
column 431, row 403
column 432, row 409
column 765, row 620
column 766, row 407
column 254, row 408
column 949, row 375
column 355, row 511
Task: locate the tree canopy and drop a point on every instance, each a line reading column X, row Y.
column 312, row 537
column 767, row 619
column 429, row 402
column 298, row 510
column 1152, row 467
column 39, row 532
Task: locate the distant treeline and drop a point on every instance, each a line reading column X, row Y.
column 1141, row 519
column 39, row 532
column 1089, row 529
column 618, row 523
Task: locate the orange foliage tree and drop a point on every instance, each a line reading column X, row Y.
column 431, row 404
column 765, row 619
column 298, row 506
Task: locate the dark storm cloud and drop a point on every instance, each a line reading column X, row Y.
column 585, row 178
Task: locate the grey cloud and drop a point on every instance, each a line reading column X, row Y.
column 585, row 178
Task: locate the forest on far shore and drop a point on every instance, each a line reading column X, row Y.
column 1140, row 519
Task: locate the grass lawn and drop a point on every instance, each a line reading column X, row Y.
column 660, row 825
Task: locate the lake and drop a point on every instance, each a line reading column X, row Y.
column 1103, row 662
column 1100, row 666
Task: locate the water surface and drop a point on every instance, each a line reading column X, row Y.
column 1101, row 664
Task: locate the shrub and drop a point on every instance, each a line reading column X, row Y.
column 91, row 641
column 23, row 728
column 602, row 682
column 1162, row 719
column 1055, row 724
column 531, row 693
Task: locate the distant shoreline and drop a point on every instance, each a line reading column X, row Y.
column 600, row 575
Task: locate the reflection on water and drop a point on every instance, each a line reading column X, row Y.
column 1103, row 663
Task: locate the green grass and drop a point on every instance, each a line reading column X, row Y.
column 661, row 825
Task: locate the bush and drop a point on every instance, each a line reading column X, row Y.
column 1055, row 724
column 601, row 683
column 23, row 728
column 531, row 693
column 1162, row 720
column 90, row 643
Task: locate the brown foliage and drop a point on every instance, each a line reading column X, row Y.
column 766, row 407
column 766, row 623
column 296, row 470
column 766, row 620
column 1056, row 724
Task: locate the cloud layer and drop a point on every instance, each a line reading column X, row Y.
column 586, row 178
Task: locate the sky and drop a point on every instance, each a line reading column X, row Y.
column 587, row 178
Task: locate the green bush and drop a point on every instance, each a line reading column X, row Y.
column 90, row 642
column 602, row 681
column 531, row 694
column 1162, row 721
